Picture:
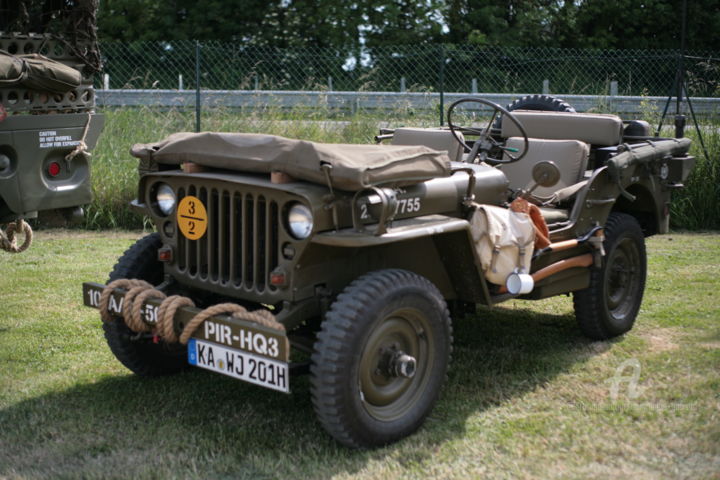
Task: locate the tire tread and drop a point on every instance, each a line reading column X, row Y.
column 540, row 102
column 338, row 330
column 147, row 360
column 589, row 303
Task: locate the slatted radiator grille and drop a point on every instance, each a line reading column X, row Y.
column 240, row 247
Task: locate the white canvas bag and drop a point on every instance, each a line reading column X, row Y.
column 504, row 241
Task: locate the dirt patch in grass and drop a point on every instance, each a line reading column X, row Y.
column 600, row 347
column 661, row 339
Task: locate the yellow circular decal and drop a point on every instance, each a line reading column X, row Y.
column 192, row 217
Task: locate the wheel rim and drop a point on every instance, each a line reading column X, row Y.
column 622, row 279
column 387, row 396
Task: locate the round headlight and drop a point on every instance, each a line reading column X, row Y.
column 165, row 198
column 300, row 221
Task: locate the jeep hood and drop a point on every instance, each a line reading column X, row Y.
column 354, row 167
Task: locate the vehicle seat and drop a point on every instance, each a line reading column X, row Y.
column 570, row 156
column 593, row 128
column 435, row 138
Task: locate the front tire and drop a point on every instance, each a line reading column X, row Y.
column 609, row 306
column 365, row 390
column 139, row 354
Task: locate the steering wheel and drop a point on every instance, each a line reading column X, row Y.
column 485, row 143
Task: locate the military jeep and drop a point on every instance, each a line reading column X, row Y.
column 357, row 256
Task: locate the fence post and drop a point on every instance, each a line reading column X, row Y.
column 402, row 84
column 180, row 82
column 613, row 88
column 546, row 87
column 613, row 94
column 473, row 86
column 106, row 81
column 330, row 85
column 197, row 85
column 441, row 84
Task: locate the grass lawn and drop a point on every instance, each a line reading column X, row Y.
column 527, row 395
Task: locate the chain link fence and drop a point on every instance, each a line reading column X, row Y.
column 426, row 68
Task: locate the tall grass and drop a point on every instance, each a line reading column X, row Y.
column 694, row 207
column 697, row 206
column 115, row 170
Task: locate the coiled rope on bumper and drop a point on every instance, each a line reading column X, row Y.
column 125, row 283
column 263, row 317
column 138, row 291
column 135, row 321
column 8, row 242
column 166, row 314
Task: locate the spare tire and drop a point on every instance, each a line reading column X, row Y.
column 536, row 102
column 540, row 102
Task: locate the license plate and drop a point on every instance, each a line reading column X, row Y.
column 239, row 364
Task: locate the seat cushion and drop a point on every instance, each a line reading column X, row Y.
column 593, row 128
column 570, row 156
column 435, row 138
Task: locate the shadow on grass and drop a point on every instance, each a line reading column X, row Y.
column 199, row 424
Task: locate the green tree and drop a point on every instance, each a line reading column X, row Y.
column 509, row 23
column 402, row 22
column 132, row 20
column 350, row 25
column 647, row 24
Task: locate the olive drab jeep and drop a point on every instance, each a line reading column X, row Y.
column 276, row 257
column 48, row 124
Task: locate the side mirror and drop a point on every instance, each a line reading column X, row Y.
column 545, row 174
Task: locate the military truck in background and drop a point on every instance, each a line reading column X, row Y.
column 48, row 124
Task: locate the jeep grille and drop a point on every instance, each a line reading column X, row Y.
column 240, row 246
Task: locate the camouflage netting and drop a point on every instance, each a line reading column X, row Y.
column 70, row 22
column 49, row 56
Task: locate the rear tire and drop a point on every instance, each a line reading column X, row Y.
column 609, row 306
column 545, row 103
column 141, row 355
column 540, row 102
column 359, row 393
